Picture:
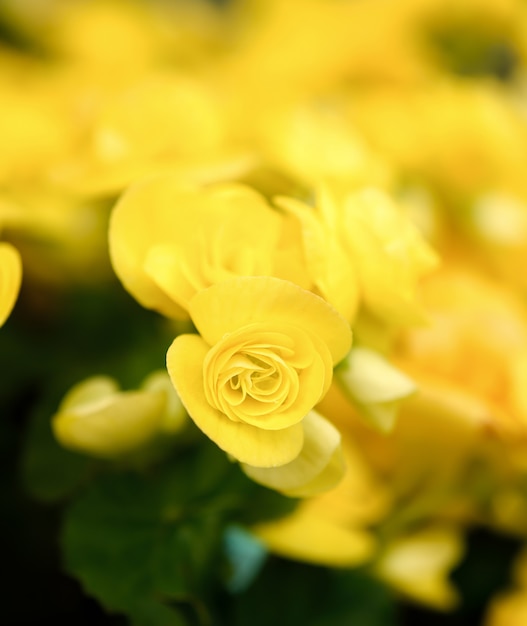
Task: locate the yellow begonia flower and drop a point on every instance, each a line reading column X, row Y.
column 361, row 244
column 417, row 565
column 98, row 419
column 316, row 141
column 466, row 135
column 10, row 279
column 477, row 341
column 319, row 466
column 265, row 357
column 162, row 123
column 168, row 242
column 375, row 386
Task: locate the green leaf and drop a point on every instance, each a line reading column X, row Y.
column 150, row 546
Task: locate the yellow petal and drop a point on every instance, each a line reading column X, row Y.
column 318, row 467
column 248, row 444
column 169, row 240
column 390, row 255
column 89, row 392
column 375, row 386
column 418, row 565
column 10, row 279
column 313, row 539
column 329, row 265
column 174, row 416
column 133, row 227
column 227, row 306
column 96, row 419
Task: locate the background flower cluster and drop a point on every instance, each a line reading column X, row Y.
column 263, row 276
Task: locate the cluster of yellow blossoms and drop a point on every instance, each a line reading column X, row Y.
column 329, row 198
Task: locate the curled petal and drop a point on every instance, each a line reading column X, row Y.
column 269, row 376
column 318, row 467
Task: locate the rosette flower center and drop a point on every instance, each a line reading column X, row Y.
column 255, row 375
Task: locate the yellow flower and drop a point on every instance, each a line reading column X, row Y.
column 417, row 565
column 466, row 135
column 265, row 357
column 361, row 244
column 316, row 140
column 162, row 123
column 476, row 340
column 168, row 241
column 10, row 279
column 96, row 418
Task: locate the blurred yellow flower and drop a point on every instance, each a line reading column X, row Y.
column 476, row 340
column 465, row 135
column 164, row 122
column 98, row 419
column 361, row 248
column 169, row 241
column 316, row 140
column 265, row 357
column 418, row 565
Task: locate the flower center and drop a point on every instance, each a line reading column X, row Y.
column 250, row 376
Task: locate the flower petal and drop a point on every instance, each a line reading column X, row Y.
column 317, row 468
column 418, row 565
column 313, row 539
column 248, row 444
column 225, row 307
column 97, row 419
column 375, row 386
